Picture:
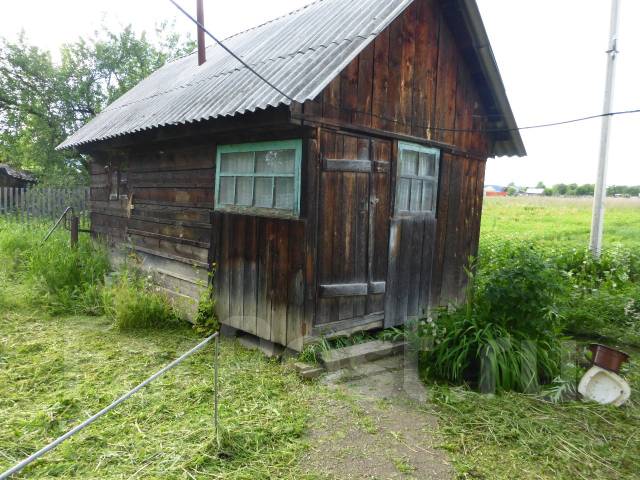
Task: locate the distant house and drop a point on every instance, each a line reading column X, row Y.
column 534, row 192
column 495, row 191
column 11, row 177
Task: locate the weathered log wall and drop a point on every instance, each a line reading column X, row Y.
column 413, row 80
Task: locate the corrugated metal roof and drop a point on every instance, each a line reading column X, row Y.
column 300, row 53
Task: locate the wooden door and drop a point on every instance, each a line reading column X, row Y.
column 412, row 233
column 353, row 231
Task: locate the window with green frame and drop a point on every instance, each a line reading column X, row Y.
column 417, row 182
column 259, row 178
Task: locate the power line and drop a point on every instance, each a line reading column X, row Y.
column 498, row 130
column 201, row 26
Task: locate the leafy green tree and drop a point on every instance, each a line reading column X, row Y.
column 42, row 102
column 586, row 190
column 560, row 189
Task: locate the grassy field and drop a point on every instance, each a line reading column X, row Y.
column 560, row 221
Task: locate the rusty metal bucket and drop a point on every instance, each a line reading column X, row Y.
column 607, row 357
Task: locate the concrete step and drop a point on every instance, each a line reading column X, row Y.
column 308, row 371
column 361, row 353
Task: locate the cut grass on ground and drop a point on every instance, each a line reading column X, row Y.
column 519, row 436
column 56, row 371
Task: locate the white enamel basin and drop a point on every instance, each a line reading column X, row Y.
column 605, row 387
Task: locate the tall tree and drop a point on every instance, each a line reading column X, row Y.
column 42, row 102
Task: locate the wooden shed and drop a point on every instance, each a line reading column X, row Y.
column 347, row 199
column 12, row 177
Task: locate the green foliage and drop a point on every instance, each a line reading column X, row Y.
column 559, row 223
column 41, row 102
column 68, row 277
column 206, row 321
column 62, row 278
column 133, row 303
column 65, row 368
column 507, row 334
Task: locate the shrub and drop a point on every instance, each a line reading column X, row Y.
column 133, row 303
column 68, row 278
column 615, row 267
column 16, row 242
column 206, row 321
column 507, row 334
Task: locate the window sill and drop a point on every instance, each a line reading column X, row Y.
column 259, row 212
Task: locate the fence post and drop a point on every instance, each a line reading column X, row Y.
column 74, row 230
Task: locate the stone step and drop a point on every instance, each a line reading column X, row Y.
column 361, row 353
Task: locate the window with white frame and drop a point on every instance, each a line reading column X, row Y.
column 417, row 181
column 259, row 178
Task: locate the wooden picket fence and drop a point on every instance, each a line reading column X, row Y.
column 37, row 204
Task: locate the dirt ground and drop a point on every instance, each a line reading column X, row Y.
column 373, row 428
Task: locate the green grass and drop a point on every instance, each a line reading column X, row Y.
column 560, row 221
column 56, row 371
column 57, row 367
column 519, row 436
column 523, row 436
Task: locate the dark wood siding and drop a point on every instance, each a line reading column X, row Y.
column 168, row 227
column 353, row 230
column 412, row 80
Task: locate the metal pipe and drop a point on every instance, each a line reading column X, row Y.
column 67, row 210
column 15, row 469
column 215, row 381
column 202, row 51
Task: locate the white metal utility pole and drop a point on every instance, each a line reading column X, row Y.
column 597, row 223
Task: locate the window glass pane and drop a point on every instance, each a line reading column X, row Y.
column 264, row 192
column 427, row 165
column 239, row 162
column 409, row 163
column 244, row 191
column 284, row 193
column 403, row 194
column 416, row 195
column 276, row 161
column 427, row 196
column 227, row 190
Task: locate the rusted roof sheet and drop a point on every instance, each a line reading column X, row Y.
column 300, row 53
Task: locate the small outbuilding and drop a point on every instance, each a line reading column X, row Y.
column 14, row 178
column 349, row 198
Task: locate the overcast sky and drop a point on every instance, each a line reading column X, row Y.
column 550, row 53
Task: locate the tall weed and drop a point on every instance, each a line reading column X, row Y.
column 68, row 276
column 133, row 303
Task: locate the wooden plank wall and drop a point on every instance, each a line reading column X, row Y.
column 265, row 277
column 412, row 80
column 169, row 226
column 353, row 226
